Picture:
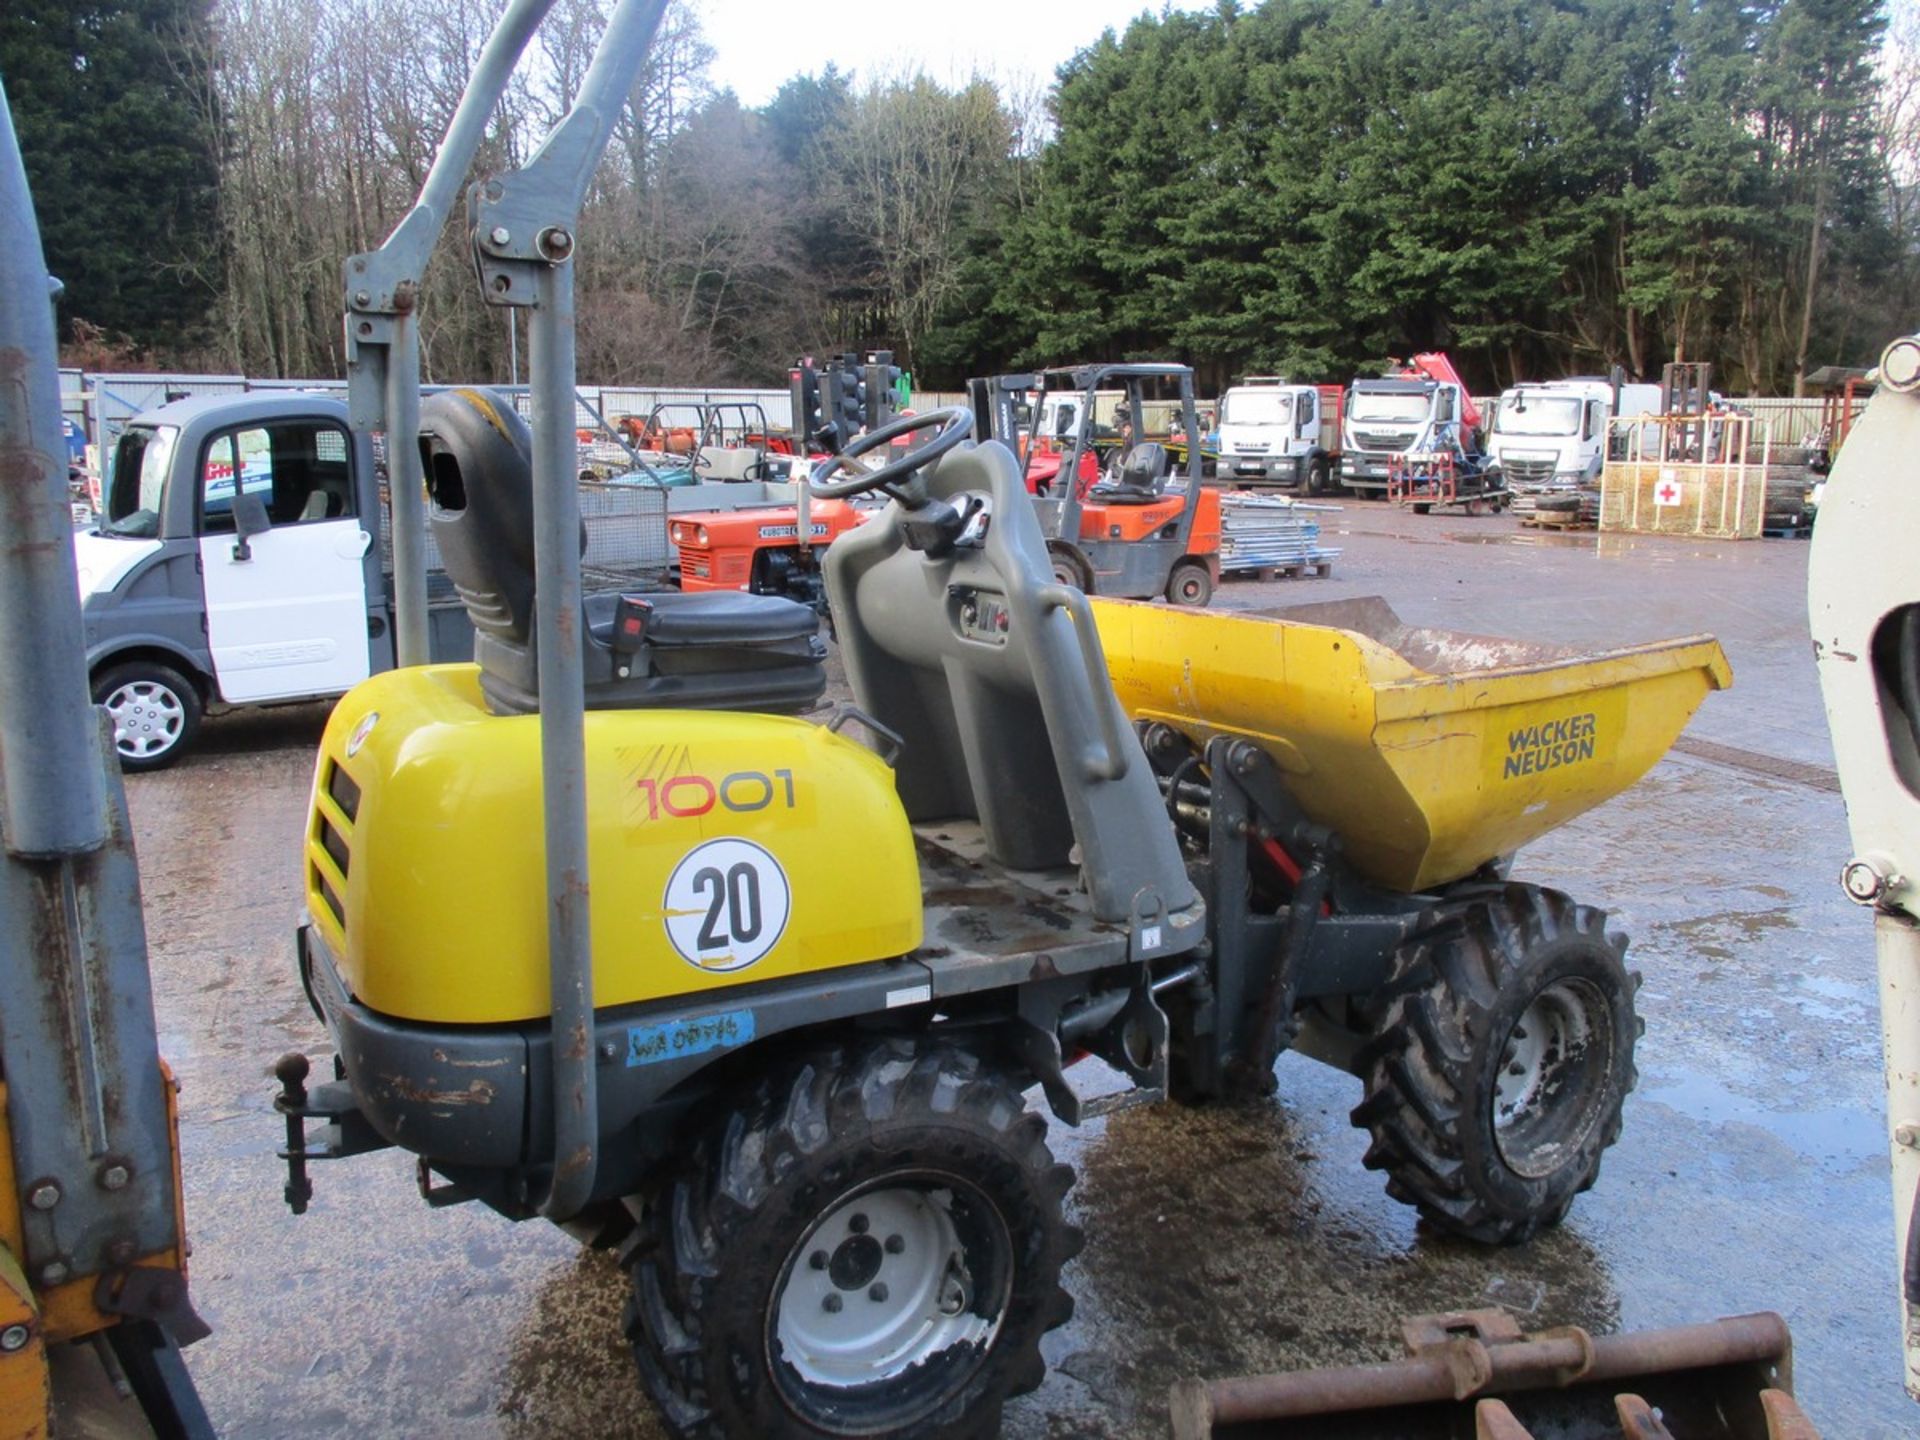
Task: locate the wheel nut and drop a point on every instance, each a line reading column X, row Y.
column 114, row 1176
column 858, row 1224
column 1516, row 1069
column 44, row 1196
column 895, row 1244
column 818, row 1259
column 877, row 1291
column 54, row 1272
column 14, row 1337
column 832, row 1304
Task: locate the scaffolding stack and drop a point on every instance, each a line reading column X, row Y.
column 1269, row 534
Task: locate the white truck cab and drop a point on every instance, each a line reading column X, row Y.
column 1278, row 433
column 232, row 563
column 1552, row 435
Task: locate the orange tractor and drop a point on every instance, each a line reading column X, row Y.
column 776, row 548
column 770, row 551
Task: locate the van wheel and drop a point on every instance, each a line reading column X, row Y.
column 867, row 1243
column 155, row 711
column 1502, row 1053
column 1191, row 583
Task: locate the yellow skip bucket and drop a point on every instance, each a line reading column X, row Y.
column 1429, row 751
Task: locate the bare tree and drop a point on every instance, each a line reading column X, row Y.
column 920, row 164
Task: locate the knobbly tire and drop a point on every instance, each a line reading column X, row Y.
column 1501, row 1054
column 886, row 1209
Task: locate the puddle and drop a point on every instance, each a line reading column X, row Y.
column 1541, row 539
column 1838, row 1137
column 1718, row 937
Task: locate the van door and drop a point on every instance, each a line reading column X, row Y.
column 287, row 610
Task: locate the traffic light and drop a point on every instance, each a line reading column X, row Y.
column 881, row 397
column 844, row 385
column 803, row 386
column 836, row 399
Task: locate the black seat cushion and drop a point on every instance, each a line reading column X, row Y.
column 711, row 617
column 717, row 632
column 1142, row 475
column 719, row 650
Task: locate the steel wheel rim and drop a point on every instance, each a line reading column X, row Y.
column 901, row 1239
column 147, row 718
column 1549, row 1091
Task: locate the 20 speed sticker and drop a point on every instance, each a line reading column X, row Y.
column 726, row 904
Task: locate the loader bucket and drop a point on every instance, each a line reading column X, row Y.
column 1472, row 1375
column 1431, row 752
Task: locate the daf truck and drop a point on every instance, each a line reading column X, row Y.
column 1552, row 435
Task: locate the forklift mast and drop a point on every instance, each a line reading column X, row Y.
column 995, row 402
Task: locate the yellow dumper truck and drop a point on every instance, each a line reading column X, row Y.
column 608, row 929
column 825, row 968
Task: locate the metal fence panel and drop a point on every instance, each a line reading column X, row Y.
column 1689, row 478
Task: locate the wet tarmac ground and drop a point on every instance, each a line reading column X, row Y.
column 1752, row 1173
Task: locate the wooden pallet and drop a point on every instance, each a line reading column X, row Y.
column 1308, row 569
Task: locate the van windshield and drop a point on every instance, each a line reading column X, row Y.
column 1379, row 405
column 1539, row 415
column 1256, row 407
column 140, row 464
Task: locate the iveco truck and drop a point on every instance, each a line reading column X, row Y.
column 1420, row 407
column 1276, row 433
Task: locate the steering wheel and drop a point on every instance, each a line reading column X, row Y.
column 955, row 422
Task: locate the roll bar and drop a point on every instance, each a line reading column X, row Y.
column 522, row 228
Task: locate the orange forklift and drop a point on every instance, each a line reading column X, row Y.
column 1142, row 528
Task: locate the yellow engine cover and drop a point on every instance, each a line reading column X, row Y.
column 723, row 848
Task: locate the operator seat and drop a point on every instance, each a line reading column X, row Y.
column 714, row 651
column 1142, row 477
column 994, row 676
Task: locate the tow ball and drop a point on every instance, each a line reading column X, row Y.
column 346, row 1131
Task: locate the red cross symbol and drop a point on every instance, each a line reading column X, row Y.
column 1668, row 492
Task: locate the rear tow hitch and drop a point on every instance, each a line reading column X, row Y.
column 345, row 1131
